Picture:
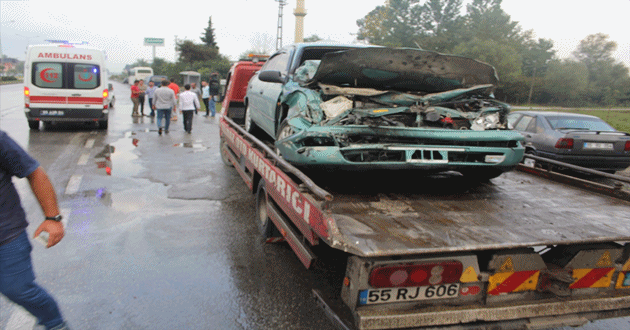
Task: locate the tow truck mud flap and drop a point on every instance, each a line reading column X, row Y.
column 300, row 248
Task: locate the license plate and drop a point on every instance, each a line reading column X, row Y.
column 597, row 145
column 52, row 113
column 390, row 295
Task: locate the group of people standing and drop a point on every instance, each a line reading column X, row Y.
column 164, row 101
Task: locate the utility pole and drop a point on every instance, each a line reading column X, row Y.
column 281, row 4
column 299, row 13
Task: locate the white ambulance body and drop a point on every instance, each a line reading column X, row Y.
column 65, row 83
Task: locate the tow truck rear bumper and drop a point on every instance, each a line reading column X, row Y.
column 541, row 315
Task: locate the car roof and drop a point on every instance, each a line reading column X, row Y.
column 554, row 113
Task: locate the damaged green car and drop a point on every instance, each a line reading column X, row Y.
column 360, row 108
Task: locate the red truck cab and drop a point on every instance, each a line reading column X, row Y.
column 236, row 86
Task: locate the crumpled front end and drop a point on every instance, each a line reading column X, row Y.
column 364, row 128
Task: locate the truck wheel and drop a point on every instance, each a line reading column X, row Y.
column 103, row 124
column 33, row 124
column 223, row 149
column 264, row 224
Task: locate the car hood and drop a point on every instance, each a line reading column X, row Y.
column 401, row 69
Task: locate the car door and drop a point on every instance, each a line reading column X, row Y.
column 522, row 125
column 263, row 96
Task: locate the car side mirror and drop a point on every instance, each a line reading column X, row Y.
column 271, row 76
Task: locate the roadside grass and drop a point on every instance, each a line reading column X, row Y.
column 619, row 119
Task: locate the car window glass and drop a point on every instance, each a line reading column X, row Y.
column 86, row 76
column 48, row 75
column 277, row 63
column 523, row 123
column 512, row 118
column 581, row 123
column 532, row 126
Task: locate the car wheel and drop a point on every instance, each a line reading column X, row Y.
column 263, row 222
column 224, row 148
column 33, row 124
column 284, row 131
column 250, row 126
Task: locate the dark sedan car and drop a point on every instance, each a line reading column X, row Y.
column 576, row 139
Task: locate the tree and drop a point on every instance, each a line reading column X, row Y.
column 208, row 35
column 441, row 25
column 595, row 51
column 486, row 19
column 394, row 24
column 190, row 52
column 536, row 58
column 505, row 59
column 312, row 38
column 566, row 82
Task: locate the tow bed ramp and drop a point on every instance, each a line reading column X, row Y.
column 526, row 252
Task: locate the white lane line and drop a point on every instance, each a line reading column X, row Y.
column 83, row 159
column 89, row 143
column 73, row 184
column 20, row 319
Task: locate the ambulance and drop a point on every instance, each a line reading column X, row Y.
column 66, row 82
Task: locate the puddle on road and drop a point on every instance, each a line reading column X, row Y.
column 197, row 146
column 118, row 158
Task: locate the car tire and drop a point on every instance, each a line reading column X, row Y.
column 223, row 149
column 264, row 224
column 103, row 124
column 33, row 124
column 250, row 126
column 284, row 131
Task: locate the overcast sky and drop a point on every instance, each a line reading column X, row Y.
column 120, row 26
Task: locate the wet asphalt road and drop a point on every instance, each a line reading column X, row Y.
column 166, row 241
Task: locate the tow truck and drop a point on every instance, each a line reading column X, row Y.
column 535, row 248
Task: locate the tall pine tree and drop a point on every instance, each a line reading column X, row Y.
column 208, row 35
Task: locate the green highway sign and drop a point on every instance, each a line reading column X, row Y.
column 154, row 41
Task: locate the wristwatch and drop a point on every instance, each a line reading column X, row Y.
column 57, row 218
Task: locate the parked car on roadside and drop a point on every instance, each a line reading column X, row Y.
column 576, row 139
column 365, row 107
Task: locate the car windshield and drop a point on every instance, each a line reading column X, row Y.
column 590, row 124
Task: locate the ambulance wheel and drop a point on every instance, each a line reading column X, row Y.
column 103, row 124
column 223, row 149
column 33, row 124
column 263, row 222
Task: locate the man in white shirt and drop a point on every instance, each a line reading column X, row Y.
column 164, row 102
column 188, row 103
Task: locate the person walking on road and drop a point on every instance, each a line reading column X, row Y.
column 143, row 90
column 150, row 92
column 165, row 102
column 197, row 91
column 214, row 92
column 205, row 96
column 188, row 103
column 17, row 279
column 175, row 89
column 135, row 94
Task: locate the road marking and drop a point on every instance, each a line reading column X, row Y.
column 20, row 319
column 83, row 159
column 73, row 184
column 89, row 143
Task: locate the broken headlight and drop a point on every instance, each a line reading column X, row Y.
column 484, row 122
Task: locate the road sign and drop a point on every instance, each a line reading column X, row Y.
column 154, row 41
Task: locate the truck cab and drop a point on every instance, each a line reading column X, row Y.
column 241, row 72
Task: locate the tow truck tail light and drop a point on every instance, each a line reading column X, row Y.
column 627, row 147
column 27, row 97
column 564, row 143
column 416, row 275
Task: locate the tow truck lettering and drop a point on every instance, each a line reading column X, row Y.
column 65, row 56
column 285, row 190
